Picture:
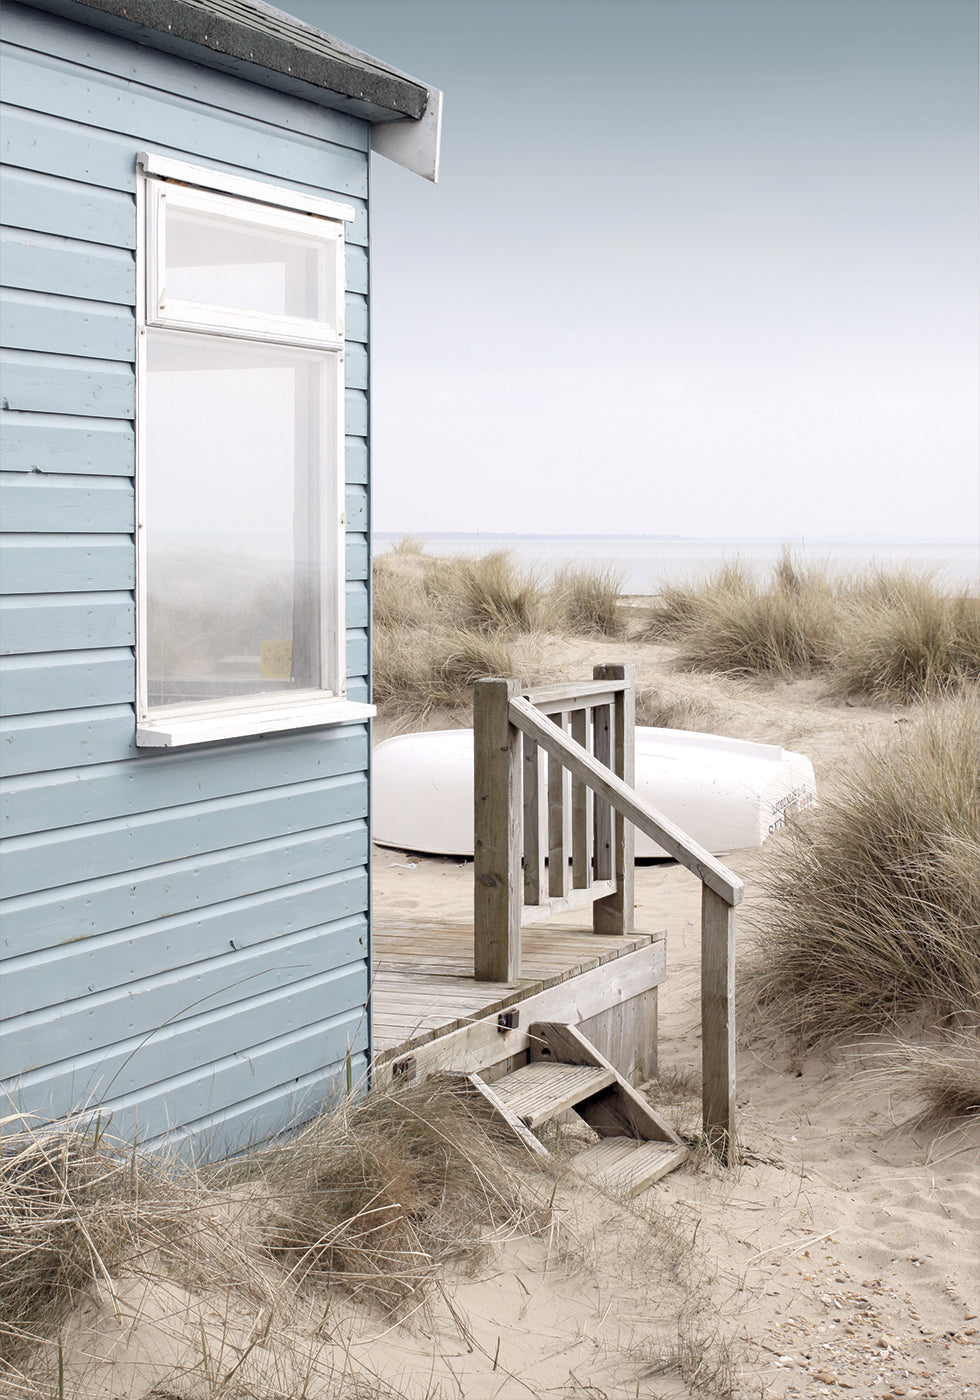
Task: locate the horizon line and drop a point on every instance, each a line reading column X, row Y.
column 735, row 539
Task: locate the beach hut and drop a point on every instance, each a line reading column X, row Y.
column 186, row 560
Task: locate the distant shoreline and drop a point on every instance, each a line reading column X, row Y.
column 646, row 563
column 958, row 541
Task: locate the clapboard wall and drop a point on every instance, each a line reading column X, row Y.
column 184, row 934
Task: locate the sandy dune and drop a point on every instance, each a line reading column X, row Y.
column 843, row 1256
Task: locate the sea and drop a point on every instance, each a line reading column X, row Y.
column 646, row 563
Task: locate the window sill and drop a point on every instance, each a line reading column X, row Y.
column 177, row 730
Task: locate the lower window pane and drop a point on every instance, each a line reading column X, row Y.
column 233, row 568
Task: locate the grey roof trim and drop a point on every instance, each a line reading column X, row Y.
column 262, row 43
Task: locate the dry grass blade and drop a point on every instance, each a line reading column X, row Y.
column 408, row 544
column 399, row 594
column 943, row 1074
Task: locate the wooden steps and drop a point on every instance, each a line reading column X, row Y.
column 627, row 1166
column 540, row 1091
column 566, row 1071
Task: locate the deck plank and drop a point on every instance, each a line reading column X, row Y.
column 424, row 986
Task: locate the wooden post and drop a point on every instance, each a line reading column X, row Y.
column 718, row 1021
column 614, row 914
column 497, row 880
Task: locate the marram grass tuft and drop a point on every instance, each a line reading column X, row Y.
column 873, row 903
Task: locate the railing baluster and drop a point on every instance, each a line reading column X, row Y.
column 534, row 868
column 614, row 914
column 581, row 844
column 557, row 857
column 652, row 823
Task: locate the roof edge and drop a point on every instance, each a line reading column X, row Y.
column 415, row 145
column 262, row 44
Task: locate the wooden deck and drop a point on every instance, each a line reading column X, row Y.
column 428, row 1005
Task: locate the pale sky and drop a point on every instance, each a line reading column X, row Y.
column 693, row 267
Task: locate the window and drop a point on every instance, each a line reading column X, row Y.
column 240, row 552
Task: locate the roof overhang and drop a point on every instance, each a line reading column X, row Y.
column 263, row 45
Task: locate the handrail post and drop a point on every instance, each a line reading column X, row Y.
column 614, row 914
column 718, row 1022
column 497, row 882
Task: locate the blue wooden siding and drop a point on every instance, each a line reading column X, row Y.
column 184, row 935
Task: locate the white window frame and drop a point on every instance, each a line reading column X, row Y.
column 189, row 315
column 159, row 180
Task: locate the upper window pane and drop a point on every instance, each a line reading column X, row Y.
column 222, row 261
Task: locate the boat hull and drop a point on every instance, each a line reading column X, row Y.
column 726, row 794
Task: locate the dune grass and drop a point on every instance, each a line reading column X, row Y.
column 419, row 670
column 368, row 1202
column 442, row 623
column 491, row 593
column 586, row 602
column 872, row 917
column 408, row 544
column 262, row 1278
column 734, row 622
column 940, row 1074
column 488, row 593
column 74, row 1206
column 376, row 1198
column 657, row 708
column 893, row 636
column 702, row 1358
column 903, row 638
column 890, row 637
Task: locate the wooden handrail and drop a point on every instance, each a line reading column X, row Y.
column 500, row 712
column 572, row 697
column 652, row 823
column 721, row 891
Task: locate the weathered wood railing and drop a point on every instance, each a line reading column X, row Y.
column 578, row 808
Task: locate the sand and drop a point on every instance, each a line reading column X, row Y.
column 843, row 1256
column 840, row 1257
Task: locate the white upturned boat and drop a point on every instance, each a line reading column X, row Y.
column 724, row 793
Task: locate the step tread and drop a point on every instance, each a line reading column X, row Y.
column 627, row 1165
column 543, row 1089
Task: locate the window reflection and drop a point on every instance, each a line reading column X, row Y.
column 233, row 557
